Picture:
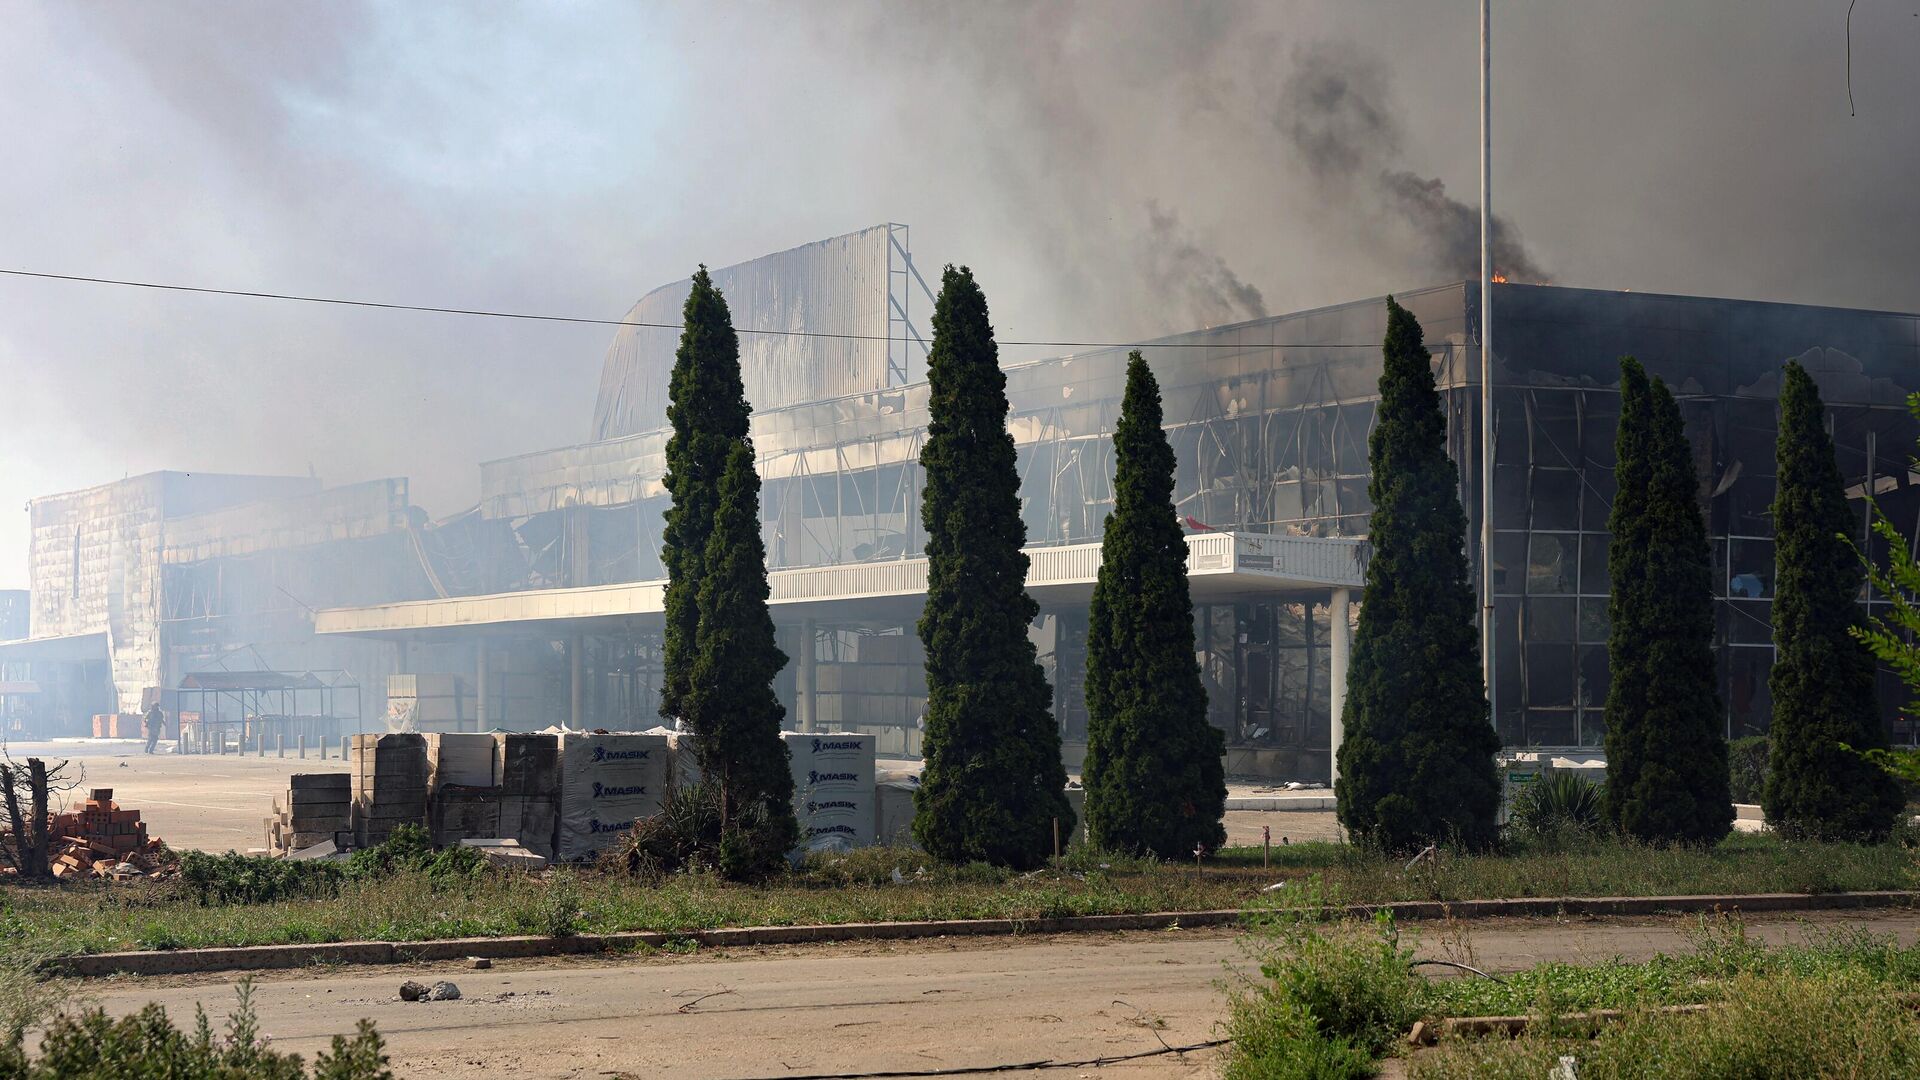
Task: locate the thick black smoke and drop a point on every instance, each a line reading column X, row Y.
column 1191, row 279
column 1336, row 112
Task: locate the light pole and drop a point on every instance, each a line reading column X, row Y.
column 1486, row 361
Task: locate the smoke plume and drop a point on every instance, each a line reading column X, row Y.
column 1337, row 113
column 1192, row 280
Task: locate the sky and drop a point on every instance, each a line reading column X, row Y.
column 1111, row 169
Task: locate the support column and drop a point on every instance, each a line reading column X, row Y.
column 482, row 721
column 575, row 661
column 1337, row 697
column 803, row 681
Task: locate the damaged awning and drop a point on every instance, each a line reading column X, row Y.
column 69, row 649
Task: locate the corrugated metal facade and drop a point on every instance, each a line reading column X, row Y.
column 833, row 286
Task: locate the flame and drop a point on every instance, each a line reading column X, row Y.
column 1499, row 279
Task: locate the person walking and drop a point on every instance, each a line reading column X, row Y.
column 156, row 726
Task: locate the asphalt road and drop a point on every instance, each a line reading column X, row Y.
column 853, row 1008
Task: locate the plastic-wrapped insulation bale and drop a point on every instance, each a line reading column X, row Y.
column 833, row 789
column 607, row 782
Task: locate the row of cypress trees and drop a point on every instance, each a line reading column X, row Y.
column 1667, row 775
column 994, row 786
column 1417, row 763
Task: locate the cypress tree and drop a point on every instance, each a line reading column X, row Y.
column 1672, row 785
column 1154, row 774
column 730, row 703
column 707, row 410
column 1416, row 765
column 1627, row 570
column 993, row 784
column 1824, row 707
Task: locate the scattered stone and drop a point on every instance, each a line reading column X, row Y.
column 443, row 991
column 412, row 991
column 479, row 963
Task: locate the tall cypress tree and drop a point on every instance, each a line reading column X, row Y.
column 1672, row 783
column 994, row 783
column 1416, row 764
column 730, row 703
column 707, row 409
column 1155, row 778
column 1627, row 571
column 1822, row 680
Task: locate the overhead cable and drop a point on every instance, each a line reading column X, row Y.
column 256, row 294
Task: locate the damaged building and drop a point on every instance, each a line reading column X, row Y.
column 541, row 605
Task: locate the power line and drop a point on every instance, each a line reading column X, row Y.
column 580, row 320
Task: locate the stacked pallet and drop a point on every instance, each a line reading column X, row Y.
column 529, row 790
column 101, row 839
column 317, row 809
column 389, row 785
column 463, row 793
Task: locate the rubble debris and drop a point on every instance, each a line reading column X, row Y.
column 99, row 839
column 506, row 853
column 440, row 991
column 479, row 963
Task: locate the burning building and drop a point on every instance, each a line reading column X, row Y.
column 545, row 599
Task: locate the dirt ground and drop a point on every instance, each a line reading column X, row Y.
column 851, row 1008
column 216, row 802
column 193, row 802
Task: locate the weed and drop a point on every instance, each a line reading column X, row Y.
column 559, row 908
column 1786, row 1026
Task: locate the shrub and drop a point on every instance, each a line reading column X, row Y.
column 1329, row 999
column 684, row 835
column 147, row 1043
column 1560, row 803
column 251, row 879
column 1747, row 765
column 234, row 878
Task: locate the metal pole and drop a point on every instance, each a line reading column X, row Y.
column 1486, row 360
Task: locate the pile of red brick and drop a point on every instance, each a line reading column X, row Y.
column 101, row 839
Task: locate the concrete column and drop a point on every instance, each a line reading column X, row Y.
column 803, row 681
column 1338, row 696
column 575, row 662
column 480, row 711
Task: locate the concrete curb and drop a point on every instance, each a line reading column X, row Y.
column 1281, row 802
column 270, row 957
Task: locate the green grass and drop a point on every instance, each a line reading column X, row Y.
column 416, row 905
column 1722, row 955
column 1784, row 1026
column 1331, row 998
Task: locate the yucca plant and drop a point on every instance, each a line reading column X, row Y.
column 1559, row 802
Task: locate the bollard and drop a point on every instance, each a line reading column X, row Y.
column 323, row 748
column 222, row 736
column 346, row 747
column 303, row 747
column 280, row 745
column 259, row 744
